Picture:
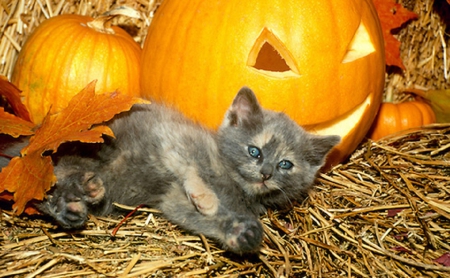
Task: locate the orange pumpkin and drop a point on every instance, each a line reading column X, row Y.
column 321, row 62
column 395, row 117
column 67, row 52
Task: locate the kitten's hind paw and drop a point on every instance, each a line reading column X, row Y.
column 244, row 235
column 206, row 202
column 69, row 201
column 93, row 188
column 203, row 197
column 67, row 209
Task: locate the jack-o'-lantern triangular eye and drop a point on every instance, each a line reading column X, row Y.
column 270, row 56
column 360, row 46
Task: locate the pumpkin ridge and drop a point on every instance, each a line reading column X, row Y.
column 220, row 40
column 121, row 47
column 99, row 56
column 77, row 48
column 74, row 44
column 115, row 64
column 165, row 55
column 25, row 73
column 49, row 105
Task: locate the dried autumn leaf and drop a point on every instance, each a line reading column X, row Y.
column 401, row 236
column 14, row 125
column 392, row 15
column 444, row 259
column 5, row 195
column 74, row 122
column 12, row 95
column 393, row 212
column 439, row 101
column 401, row 249
column 28, row 177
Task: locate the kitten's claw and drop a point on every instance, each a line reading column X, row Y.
column 67, row 209
column 69, row 202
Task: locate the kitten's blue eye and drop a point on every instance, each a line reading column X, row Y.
column 285, row 164
column 254, row 151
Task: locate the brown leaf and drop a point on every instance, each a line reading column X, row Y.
column 392, row 15
column 14, row 125
column 393, row 212
column 439, row 101
column 74, row 122
column 12, row 95
column 30, row 176
column 5, row 195
column 444, row 259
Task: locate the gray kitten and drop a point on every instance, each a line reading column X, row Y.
column 158, row 158
column 214, row 184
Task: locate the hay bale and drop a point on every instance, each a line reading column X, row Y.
column 384, row 213
column 425, row 50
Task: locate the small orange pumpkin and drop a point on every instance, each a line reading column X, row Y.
column 321, row 62
column 67, row 52
column 395, row 117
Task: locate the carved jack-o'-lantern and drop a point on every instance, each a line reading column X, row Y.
column 320, row 62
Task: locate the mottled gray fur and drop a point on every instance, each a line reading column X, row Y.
column 214, row 184
column 161, row 159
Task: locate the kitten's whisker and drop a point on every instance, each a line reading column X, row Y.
column 284, row 194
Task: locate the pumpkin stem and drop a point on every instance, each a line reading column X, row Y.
column 417, row 92
column 102, row 23
column 389, row 94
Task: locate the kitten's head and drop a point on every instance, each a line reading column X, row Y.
column 273, row 156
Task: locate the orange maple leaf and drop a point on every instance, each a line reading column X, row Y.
column 392, row 15
column 12, row 95
column 14, row 125
column 30, row 176
column 74, row 122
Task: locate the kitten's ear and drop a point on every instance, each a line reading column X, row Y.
column 322, row 145
column 244, row 109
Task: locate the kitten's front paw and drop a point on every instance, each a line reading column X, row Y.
column 244, row 235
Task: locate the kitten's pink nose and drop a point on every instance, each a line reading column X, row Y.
column 266, row 171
